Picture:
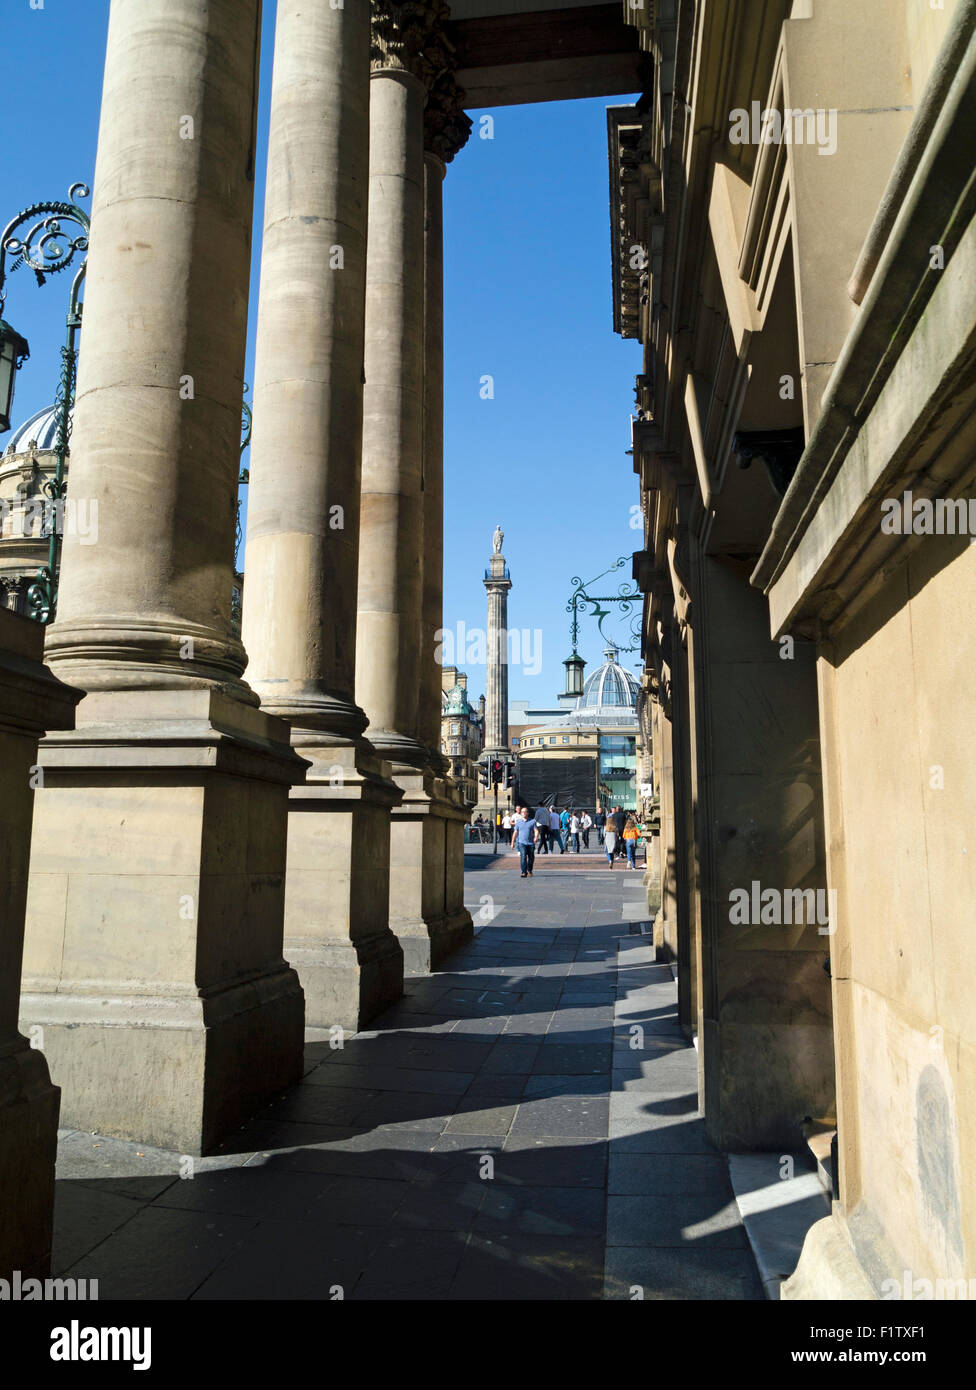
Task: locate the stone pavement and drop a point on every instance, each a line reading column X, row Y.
column 502, row 1132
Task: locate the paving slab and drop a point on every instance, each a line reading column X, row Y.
column 520, row 1125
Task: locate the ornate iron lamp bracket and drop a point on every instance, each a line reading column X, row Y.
column 626, row 597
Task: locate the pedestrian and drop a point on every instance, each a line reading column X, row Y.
column 555, row 829
column 526, row 836
column 610, row 842
column 618, row 820
column 631, row 836
column 574, row 831
column 564, row 822
column 507, row 826
column 586, row 825
column 600, row 821
column 542, row 824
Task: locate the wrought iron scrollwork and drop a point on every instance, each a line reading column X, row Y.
column 39, row 237
column 625, row 598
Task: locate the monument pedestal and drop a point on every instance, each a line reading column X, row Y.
column 153, row 958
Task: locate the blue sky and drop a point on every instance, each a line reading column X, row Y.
column 527, row 302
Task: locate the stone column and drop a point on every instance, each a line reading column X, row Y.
column 31, row 700
column 409, row 51
column 446, row 129
column 153, row 957
column 302, row 552
column 497, row 583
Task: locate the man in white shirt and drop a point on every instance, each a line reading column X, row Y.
column 574, row 831
column 586, row 825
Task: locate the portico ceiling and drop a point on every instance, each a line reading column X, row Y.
column 513, row 51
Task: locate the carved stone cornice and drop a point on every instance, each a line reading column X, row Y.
column 446, row 123
column 410, row 36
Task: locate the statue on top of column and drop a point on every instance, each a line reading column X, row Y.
column 496, row 540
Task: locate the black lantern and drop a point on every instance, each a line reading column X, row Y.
column 14, row 352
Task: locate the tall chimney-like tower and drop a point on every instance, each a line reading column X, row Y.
column 498, row 581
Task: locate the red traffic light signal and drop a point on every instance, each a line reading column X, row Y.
column 497, row 769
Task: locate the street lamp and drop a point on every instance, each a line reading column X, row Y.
column 14, row 352
column 39, row 238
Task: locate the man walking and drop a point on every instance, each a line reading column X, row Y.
column 600, row 821
column 542, row 825
column 555, row 829
column 618, row 820
column 586, row 825
column 525, row 836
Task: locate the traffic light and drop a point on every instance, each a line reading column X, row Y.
column 509, row 775
column 497, row 770
column 485, row 775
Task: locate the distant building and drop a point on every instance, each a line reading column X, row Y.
column 462, row 731
column 588, row 755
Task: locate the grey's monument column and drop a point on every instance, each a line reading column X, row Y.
column 302, row 552
column 153, row 956
column 498, row 581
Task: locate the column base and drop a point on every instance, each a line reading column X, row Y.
column 829, row 1268
column 28, row 1150
column 153, row 954
column 337, row 914
column 178, row 1072
column 427, row 911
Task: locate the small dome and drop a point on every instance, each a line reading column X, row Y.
column 611, row 684
column 43, row 427
column 457, row 702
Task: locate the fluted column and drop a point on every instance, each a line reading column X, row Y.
column 303, row 536
column 153, row 957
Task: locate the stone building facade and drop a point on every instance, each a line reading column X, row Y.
column 27, row 462
column 462, row 733
column 598, row 735
column 792, row 224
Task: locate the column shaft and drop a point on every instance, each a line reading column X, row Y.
column 303, row 515
column 302, row 555
column 157, row 418
column 429, row 720
column 388, row 657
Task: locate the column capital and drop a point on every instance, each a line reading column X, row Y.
column 446, row 123
column 409, row 36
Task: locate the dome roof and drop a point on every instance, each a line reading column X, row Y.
column 43, row 427
column 610, row 685
column 457, row 702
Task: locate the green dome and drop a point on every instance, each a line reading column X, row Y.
column 457, row 702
